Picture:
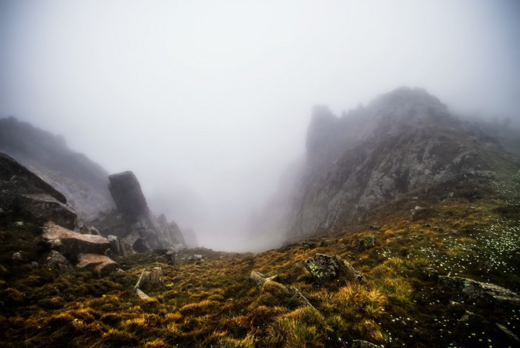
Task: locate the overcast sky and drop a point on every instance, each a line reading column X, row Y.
column 208, row 101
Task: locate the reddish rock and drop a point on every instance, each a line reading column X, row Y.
column 71, row 243
column 100, row 264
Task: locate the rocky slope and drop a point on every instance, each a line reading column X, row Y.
column 405, row 141
column 83, row 182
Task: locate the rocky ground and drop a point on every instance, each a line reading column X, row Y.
column 425, row 275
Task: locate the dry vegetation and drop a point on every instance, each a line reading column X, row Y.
column 215, row 304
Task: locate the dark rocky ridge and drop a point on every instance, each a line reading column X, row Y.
column 83, row 182
column 403, row 142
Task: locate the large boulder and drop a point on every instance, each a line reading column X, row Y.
column 99, row 264
column 324, row 267
column 23, row 192
column 127, row 194
column 47, row 208
column 484, row 293
column 71, row 244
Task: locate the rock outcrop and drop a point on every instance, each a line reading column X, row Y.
column 26, row 193
column 402, row 142
column 132, row 222
column 80, row 180
column 128, row 196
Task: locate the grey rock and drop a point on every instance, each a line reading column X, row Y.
column 46, row 207
column 486, row 293
column 324, row 267
column 17, row 256
column 127, row 194
column 56, row 261
column 81, row 181
column 364, row 344
column 376, row 154
column 367, row 242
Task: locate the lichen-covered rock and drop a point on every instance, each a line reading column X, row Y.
column 367, row 242
column 100, row 264
column 486, row 293
column 324, row 267
column 71, row 244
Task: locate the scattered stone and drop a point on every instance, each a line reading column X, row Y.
column 374, row 227
column 430, row 273
column 309, row 244
column 100, row 264
column 35, row 264
column 484, row 292
column 71, row 243
column 364, row 344
column 142, row 295
column 261, row 279
column 324, row 243
column 56, row 261
column 19, row 223
column 324, row 267
column 268, row 284
column 17, row 256
column 367, row 242
column 150, row 279
column 161, row 259
column 511, row 336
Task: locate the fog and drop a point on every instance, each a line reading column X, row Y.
column 208, row 101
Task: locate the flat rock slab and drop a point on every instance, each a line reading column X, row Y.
column 71, row 243
column 100, row 264
column 483, row 292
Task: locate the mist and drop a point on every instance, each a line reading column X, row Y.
column 208, row 102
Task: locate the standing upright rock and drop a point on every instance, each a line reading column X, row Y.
column 128, row 196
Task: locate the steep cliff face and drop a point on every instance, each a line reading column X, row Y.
column 403, row 142
column 83, row 182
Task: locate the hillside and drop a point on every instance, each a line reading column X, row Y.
column 404, row 232
column 405, row 141
column 83, row 182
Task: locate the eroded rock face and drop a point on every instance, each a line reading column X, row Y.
column 403, row 141
column 99, row 264
column 324, row 267
column 71, row 244
column 24, row 192
column 45, row 207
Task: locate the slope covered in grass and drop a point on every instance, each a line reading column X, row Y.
column 213, row 303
